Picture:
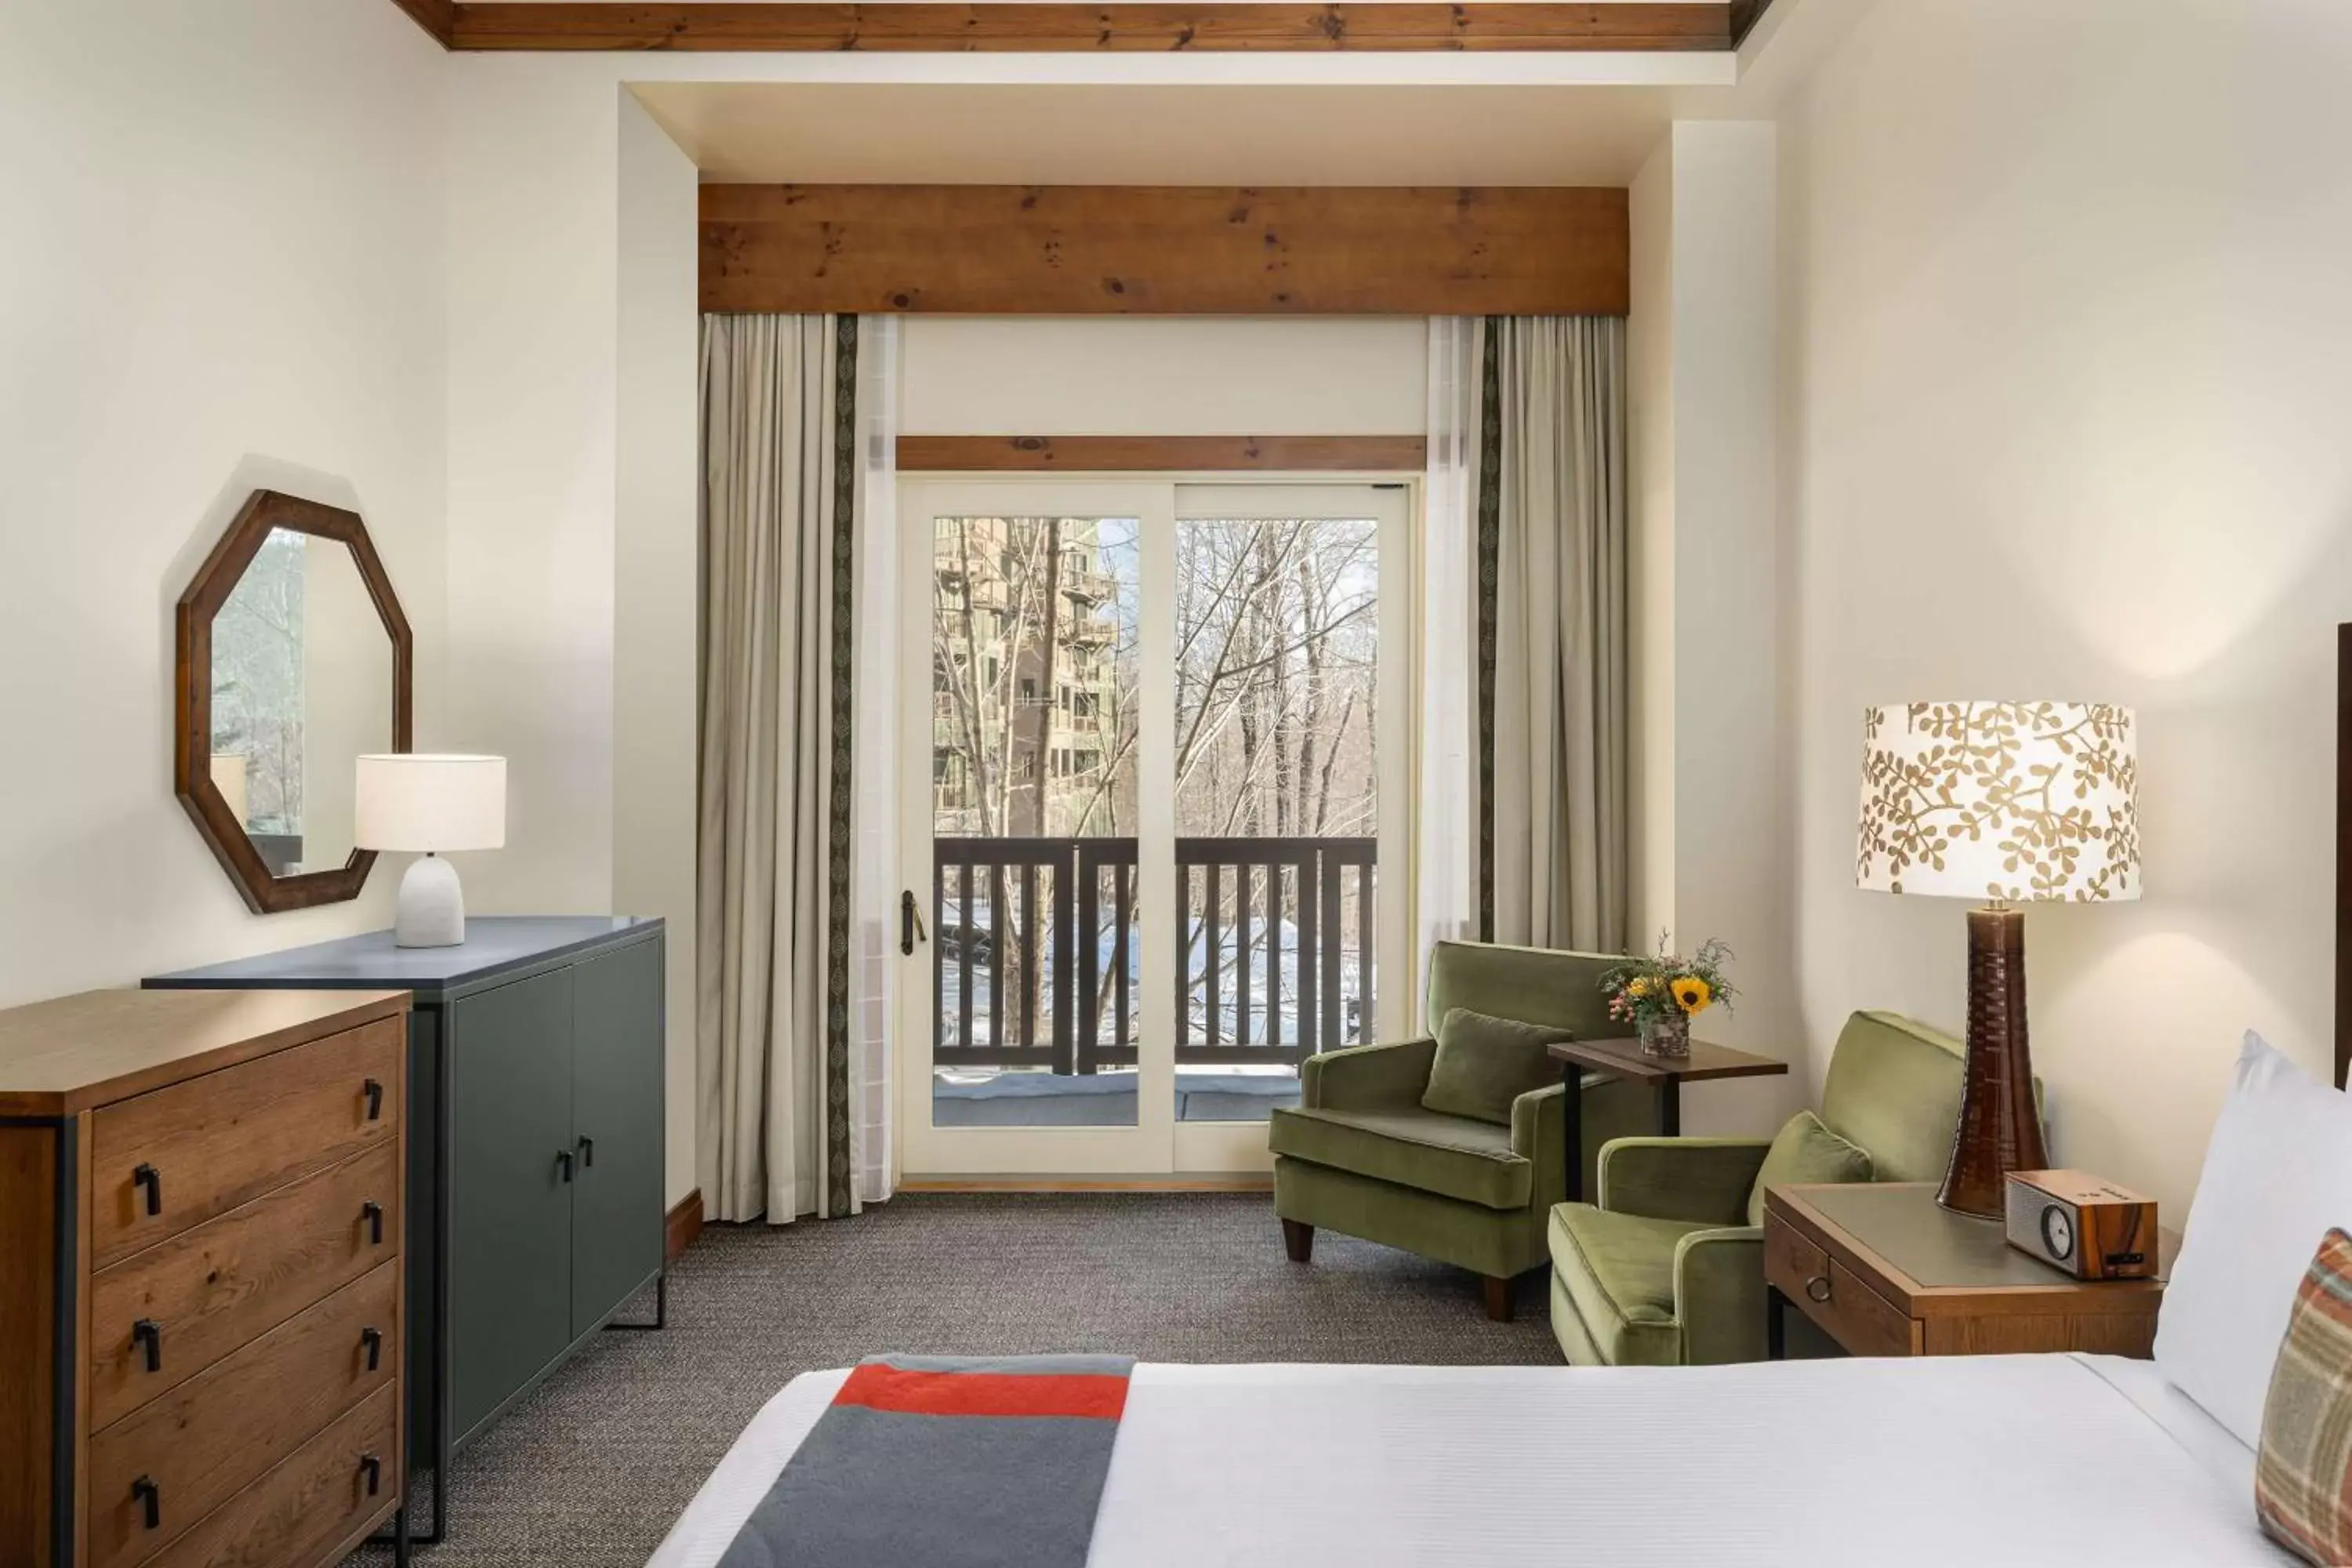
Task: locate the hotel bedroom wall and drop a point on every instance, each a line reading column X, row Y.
column 2069, row 356
column 221, row 272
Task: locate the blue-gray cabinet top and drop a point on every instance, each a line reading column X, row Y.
column 497, row 949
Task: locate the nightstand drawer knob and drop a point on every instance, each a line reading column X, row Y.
column 1817, row 1288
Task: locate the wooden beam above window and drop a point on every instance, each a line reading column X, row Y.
column 1162, row 454
column 1247, row 25
column 1165, row 250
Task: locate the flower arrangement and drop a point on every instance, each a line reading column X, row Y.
column 1660, row 995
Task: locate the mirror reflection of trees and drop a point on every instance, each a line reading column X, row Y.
column 257, row 681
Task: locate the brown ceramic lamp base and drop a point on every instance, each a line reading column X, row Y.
column 1999, row 1130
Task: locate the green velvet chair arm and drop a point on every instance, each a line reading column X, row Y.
column 1537, row 1128
column 1719, row 1295
column 1367, row 1078
column 1706, row 1180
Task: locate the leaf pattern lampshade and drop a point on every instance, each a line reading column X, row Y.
column 2011, row 801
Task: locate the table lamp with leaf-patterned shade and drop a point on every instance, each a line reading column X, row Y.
column 2011, row 803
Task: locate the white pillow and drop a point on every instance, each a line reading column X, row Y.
column 2277, row 1174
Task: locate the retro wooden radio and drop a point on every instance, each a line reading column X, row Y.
column 2091, row 1229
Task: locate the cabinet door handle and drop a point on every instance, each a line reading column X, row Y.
column 1818, row 1288
column 375, row 1101
column 587, row 1151
column 151, row 1179
column 563, row 1163
column 372, row 1467
column 148, row 1332
column 150, row 1497
column 373, row 1214
column 372, row 1338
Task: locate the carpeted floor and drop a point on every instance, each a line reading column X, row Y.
column 591, row 1470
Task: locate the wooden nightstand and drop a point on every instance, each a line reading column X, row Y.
column 1883, row 1270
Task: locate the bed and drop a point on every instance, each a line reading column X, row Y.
column 2012, row 1460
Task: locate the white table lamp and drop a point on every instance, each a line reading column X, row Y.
column 2011, row 803
column 425, row 804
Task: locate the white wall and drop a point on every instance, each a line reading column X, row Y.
column 2070, row 358
column 1112, row 375
column 222, row 272
column 657, row 587
column 1709, row 818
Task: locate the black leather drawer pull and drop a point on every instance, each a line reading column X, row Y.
column 149, row 1177
column 148, row 1332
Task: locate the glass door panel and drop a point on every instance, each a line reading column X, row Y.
column 1278, row 804
column 1034, row 661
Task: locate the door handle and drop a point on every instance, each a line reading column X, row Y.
column 910, row 925
column 563, row 1163
column 373, row 1214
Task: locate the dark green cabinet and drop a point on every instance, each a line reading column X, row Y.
column 510, row 1255
column 535, row 1160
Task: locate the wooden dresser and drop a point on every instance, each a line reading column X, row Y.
column 201, row 1242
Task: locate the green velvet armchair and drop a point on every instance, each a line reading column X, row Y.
column 1665, row 1269
column 1360, row 1154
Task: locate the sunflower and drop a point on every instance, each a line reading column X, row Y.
column 1692, row 994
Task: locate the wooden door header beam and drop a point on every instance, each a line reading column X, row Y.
column 1060, row 27
column 1162, row 454
column 1166, row 250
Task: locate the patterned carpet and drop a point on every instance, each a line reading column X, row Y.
column 591, row 1469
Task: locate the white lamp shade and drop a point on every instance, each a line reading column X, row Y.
column 228, row 771
column 2017, row 801
column 421, row 802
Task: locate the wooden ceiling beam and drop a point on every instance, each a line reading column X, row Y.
column 1166, row 250
column 1061, row 27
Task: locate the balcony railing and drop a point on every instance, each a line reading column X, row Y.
column 1036, row 948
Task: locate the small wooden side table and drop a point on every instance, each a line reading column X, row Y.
column 1665, row 1075
column 1884, row 1269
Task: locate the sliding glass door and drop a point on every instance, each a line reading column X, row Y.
column 1146, row 848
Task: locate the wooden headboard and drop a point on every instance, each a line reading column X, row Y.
column 2343, row 852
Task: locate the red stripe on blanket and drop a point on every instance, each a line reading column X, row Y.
column 1085, row 1394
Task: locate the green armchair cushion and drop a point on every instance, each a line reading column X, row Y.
column 1483, row 1063
column 1706, row 1179
column 1618, row 1271
column 1454, row 1156
column 1806, row 1151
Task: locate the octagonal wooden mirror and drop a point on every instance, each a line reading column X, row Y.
column 294, row 659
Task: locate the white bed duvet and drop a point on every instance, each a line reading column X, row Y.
column 1989, row 1461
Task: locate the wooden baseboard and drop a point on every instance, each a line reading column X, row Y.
column 1248, row 1183
column 685, row 1224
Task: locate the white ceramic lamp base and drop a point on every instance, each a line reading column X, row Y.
column 432, row 908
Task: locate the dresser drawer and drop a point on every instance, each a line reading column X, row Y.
column 219, row 1431
column 310, row 1505
column 177, row 1157
column 163, row 1314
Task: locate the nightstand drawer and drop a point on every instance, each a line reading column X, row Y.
column 177, row 1157
column 165, row 1313
column 1857, row 1317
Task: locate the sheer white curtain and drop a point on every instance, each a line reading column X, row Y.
column 1446, row 867
column 874, row 881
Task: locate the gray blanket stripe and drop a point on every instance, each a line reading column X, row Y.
column 887, row 1488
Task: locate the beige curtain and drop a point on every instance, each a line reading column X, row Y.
column 1559, row 857
column 771, row 505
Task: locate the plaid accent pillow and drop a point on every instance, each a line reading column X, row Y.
column 2303, row 1476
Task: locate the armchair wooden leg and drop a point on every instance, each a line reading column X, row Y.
column 1297, row 1240
column 1499, row 1306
